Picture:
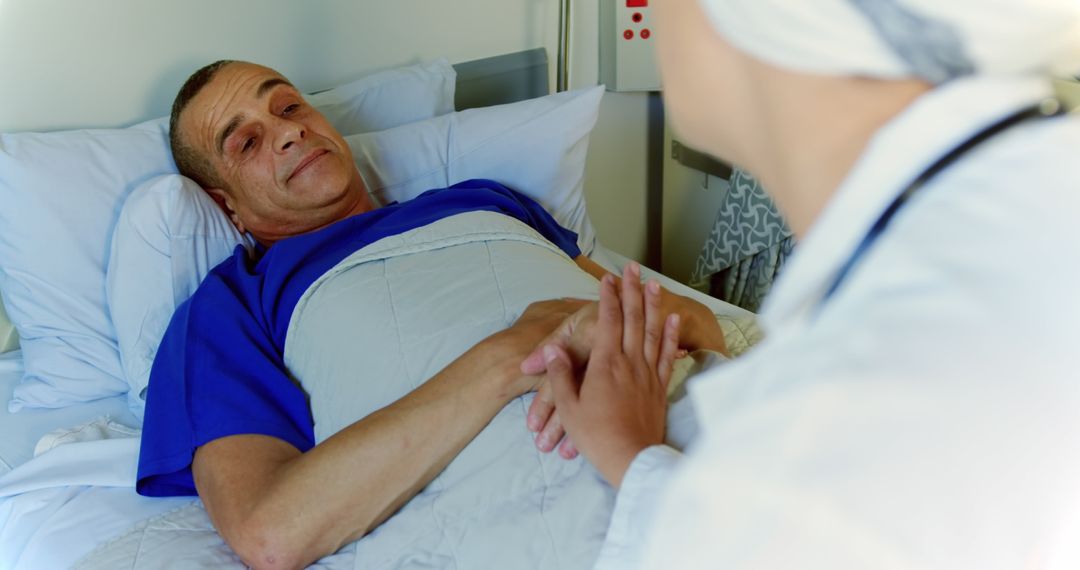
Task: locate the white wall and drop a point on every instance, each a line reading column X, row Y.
column 71, row 63
column 691, row 201
column 75, row 63
column 616, row 181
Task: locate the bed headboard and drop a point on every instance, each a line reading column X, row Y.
column 501, row 79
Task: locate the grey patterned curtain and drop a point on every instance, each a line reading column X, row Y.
column 747, row 247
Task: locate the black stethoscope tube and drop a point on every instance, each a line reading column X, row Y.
column 1046, row 109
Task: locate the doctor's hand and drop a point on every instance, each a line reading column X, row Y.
column 575, row 336
column 620, row 406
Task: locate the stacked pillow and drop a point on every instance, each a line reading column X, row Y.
column 537, row 147
column 61, row 195
column 390, row 98
column 60, row 198
column 169, row 236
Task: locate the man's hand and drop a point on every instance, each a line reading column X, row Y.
column 700, row 329
column 621, row 405
column 540, row 322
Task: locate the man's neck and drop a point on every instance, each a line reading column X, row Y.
column 358, row 202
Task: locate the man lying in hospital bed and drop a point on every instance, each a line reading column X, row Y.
column 266, row 394
column 96, row 256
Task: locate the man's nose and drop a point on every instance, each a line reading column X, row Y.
column 288, row 134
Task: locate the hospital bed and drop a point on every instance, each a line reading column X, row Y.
column 67, row 459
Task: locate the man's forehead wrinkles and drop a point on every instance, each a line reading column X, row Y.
column 224, row 98
column 235, row 88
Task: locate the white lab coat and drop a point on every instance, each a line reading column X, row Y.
column 929, row 415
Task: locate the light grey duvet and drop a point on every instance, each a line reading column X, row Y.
column 393, row 315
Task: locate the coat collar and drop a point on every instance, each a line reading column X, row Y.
column 932, row 126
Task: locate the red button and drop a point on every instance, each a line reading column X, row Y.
column 637, row 3
column 645, row 34
column 636, row 17
column 628, row 34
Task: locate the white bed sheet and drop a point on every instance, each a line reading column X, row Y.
column 81, row 495
column 63, row 504
column 57, row 507
column 22, row 431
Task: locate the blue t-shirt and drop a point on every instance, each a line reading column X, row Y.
column 220, row 371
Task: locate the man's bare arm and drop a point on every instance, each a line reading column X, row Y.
column 279, row 508
column 591, row 267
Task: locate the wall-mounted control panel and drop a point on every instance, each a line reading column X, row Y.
column 628, row 45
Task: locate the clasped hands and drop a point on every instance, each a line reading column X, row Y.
column 607, row 367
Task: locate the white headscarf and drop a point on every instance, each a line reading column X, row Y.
column 935, row 40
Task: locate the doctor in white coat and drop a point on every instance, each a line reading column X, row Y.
column 916, row 403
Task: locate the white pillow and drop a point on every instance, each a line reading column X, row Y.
column 170, row 235
column 389, row 98
column 536, row 146
column 60, row 196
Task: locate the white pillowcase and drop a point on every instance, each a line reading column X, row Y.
column 60, row 196
column 171, row 234
column 389, row 98
column 537, row 147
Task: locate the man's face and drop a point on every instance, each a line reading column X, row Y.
column 286, row 170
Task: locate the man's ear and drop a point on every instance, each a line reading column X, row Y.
column 224, row 201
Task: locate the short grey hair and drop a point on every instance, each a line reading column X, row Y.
column 189, row 161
